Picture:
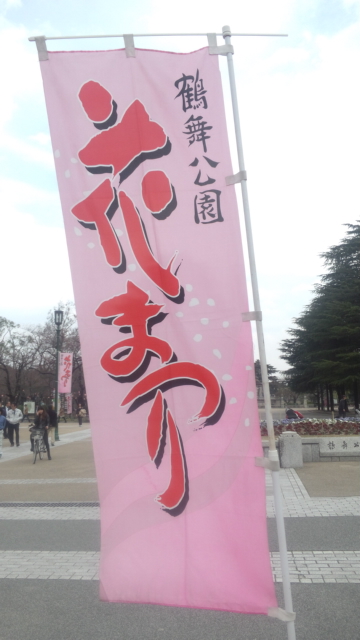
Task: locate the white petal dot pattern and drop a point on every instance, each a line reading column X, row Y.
column 232, row 401
column 227, row 376
column 204, row 320
column 67, row 173
column 132, row 267
column 73, row 160
column 77, row 231
column 250, row 394
column 211, row 302
column 217, row 353
column 248, row 368
column 194, row 302
column 247, row 422
column 179, row 314
column 91, row 245
column 198, row 337
column 226, row 324
column 189, row 287
column 119, row 232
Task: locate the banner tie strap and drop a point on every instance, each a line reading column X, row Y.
column 251, row 315
column 237, row 177
column 272, row 465
column 42, row 48
column 281, row 614
column 214, row 50
column 129, row 45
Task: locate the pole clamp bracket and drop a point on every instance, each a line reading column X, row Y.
column 129, row 45
column 251, row 315
column 215, row 50
column 272, row 465
column 237, row 177
column 42, row 48
column 281, row 614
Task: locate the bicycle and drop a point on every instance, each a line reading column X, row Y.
column 39, row 444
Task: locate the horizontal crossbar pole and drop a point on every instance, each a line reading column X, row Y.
column 145, row 35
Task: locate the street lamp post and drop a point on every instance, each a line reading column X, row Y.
column 58, row 319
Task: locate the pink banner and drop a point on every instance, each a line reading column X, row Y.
column 65, row 372
column 141, row 154
column 68, row 403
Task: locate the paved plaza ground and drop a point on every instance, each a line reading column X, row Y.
column 50, row 537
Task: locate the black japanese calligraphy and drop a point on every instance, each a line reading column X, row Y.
column 196, row 129
column 192, row 92
column 207, row 207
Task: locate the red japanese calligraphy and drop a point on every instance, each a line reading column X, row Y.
column 176, row 496
column 120, row 149
column 158, row 194
column 96, row 212
column 156, row 429
column 128, row 359
column 123, row 147
column 98, row 104
column 65, row 377
column 164, row 279
column 66, row 364
column 178, row 374
column 160, row 421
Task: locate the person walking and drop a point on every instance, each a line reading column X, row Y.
column 52, row 425
column 41, row 423
column 14, row 418
column 2, row 427
column 81, row 413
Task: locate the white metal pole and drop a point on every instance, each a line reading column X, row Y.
column 273, row 454
column 152, row 35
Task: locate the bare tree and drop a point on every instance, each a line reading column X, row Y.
column 18, row 351
column 28, row 356
column 45, row 338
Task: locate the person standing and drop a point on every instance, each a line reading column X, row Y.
column 14, row 418
column 81, row 414
column 2, row 427
column 6, row 410
column 343, row 407
column 3, row 413
column 52, row 425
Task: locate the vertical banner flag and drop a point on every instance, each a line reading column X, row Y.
column 141, row 154
column 65, row 372
column 68, row 403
